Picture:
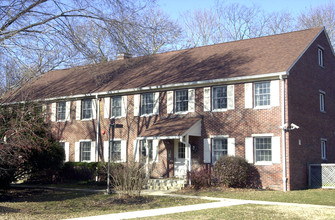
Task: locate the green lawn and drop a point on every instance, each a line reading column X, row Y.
column 50, row 204
column 259, row 212
column 310, row 196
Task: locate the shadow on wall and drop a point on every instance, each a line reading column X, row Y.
column 254, row 179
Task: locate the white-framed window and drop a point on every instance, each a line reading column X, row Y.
column 85, row 151
column 61, row 111
column 322, row 96
column 263, row 149
column 62, row 144
column 323, row 149
column 219, row 148
column 147, row 103
column 116, row 103
column 144, row 152
column 181, row 150
column 181, row 100
column 321, row 56
column 220, row 97
column 262, row 93
column 66, row 146
column 116, row 150
column 86, row 109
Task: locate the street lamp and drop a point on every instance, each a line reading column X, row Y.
column 113, row 126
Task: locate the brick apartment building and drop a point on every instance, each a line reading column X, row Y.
column 268, row 99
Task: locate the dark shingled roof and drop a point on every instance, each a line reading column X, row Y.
column 170, row 127
column 249, row 57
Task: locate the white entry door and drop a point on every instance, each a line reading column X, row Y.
column 179, row 159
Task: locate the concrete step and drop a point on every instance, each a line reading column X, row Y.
column 165, row 184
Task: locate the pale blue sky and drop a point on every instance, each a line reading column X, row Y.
column 175, row 7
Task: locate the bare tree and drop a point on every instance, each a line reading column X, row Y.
column 230, row 22
column 323, row 15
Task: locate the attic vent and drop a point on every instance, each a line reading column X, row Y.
column 123, row 56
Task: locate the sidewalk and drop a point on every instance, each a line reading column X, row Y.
column 220, row 202
column 166, row 211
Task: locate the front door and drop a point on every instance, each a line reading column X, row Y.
column 179, row 159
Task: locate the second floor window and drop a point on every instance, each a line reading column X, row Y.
column 181, row 100
column 147, row 103
column 262, row 94
column 322, row 101
column 61, row 111
column 116, row 106
column 86, row 109
column 220, row 97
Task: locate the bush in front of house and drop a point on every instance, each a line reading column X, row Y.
column 201, row 178
column 82, row 171
column 231, row 171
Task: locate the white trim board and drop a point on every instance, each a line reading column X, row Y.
column 266, row 76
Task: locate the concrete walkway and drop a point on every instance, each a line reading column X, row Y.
column 220, row 202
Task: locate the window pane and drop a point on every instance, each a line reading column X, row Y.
column 181, row 150
column 322, row 102
column 263, row 149
column 262, row 94
column 144, row 153
column 219, row 148
column 220, row 97
column 86, row 107
column 85, row 151
column 61, row 109
column 181, row 100
column 116, row 106
column 116, row 150
column 147, row 103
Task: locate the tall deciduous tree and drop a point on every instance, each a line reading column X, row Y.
column 230, row 22
column 40, row 35
column 323, row 15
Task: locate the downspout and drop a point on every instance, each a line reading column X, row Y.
column 98, row 128
column 283, row 133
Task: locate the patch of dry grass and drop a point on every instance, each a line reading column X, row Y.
column 259, row 212
column 50, row 204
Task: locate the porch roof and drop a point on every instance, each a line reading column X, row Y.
column 173, row 128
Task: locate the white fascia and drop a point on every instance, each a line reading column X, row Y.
column 210, row 82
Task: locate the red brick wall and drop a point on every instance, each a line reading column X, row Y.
column 302, row 107
column 304, row 82
column 238, row 123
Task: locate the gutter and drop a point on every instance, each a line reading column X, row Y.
column 97, row 101
column 194, row 84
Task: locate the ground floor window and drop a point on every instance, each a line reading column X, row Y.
column 263, row 150
column 115, row 150
column 181, row 150
column 219, row 148
column 323, row 150
column 144, row 152
column 85, row 151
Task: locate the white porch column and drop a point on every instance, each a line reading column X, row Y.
column 189, row 159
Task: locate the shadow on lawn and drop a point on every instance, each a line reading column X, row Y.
column 8, row 210
column 39, row 195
